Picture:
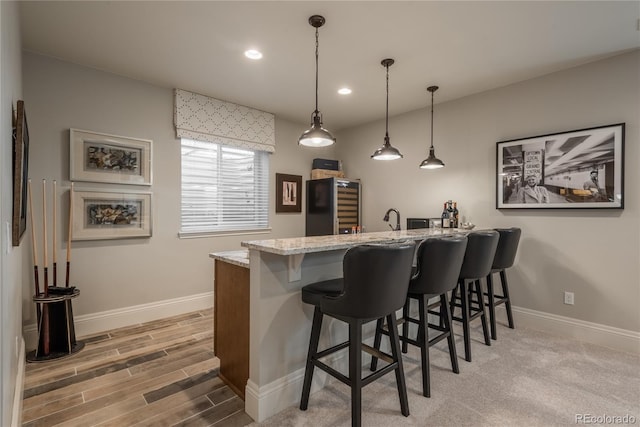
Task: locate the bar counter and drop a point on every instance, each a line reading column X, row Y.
column 262, row 328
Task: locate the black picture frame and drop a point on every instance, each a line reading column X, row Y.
column 288, row 193
column 578, row 169
column 20, row 163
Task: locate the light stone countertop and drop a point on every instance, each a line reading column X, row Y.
column 303, row 245
column 239, row 257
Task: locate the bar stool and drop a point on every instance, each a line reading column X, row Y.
column 439, row 262
column 504, row 258
column 374, row 285
column 478, row 257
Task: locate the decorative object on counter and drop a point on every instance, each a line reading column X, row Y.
column 20, row 174
column 326, row 173
column 316, row 136
column 326, row 164
column 386, row 219
column 576, row 169
column 416, row 223
column 100, row 157
column 106, row 214
column 387, row 151
column 432, row 162
column 288, row 193
column 54, row 312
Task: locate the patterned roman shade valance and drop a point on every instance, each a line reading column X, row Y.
column 208, row 119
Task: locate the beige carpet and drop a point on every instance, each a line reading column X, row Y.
column 525, row 378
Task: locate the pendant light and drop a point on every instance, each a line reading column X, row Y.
column 316, row 136
column 432, row 162
column 387, row 152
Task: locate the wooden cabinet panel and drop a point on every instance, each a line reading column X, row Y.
column 231, row 324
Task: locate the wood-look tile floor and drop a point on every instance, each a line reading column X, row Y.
column 160, row 373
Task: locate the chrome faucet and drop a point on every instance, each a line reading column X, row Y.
column 386, row 219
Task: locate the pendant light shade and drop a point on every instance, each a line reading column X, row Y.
column 316, row 136
column 387, row 151
column 432, row 162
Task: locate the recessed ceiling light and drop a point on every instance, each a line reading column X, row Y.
column 344, row 91
column 253, row 54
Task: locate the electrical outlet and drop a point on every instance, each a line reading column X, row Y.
column 568, row 298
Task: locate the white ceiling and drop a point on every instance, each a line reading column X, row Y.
column 464, row 47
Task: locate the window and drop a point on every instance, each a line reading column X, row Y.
column 223, row 188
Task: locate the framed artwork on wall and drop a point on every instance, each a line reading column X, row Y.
column 20, row 174
column 102, row 214
column 288, row 193
column 100, row 157
column 576, row 169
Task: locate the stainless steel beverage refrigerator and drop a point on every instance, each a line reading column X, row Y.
column 333, row 206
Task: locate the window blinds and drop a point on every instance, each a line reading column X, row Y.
column 223, row 188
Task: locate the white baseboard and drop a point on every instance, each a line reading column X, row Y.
column 93, row 323
column 16, row 416
column 263, row 402
column 594, row 333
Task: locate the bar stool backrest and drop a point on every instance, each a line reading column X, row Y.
column 376, row 279
column 439, row 263
column 478, row 258
column 507, row 248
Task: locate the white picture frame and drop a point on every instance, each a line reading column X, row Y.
column 101, row 157
column 105, row 214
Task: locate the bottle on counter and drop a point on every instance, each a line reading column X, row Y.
column 444, row 218
column 456, row 216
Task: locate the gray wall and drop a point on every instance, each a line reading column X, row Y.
column 593, row 253
column 115, row 274
column 10, row 257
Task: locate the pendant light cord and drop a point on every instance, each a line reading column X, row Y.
column 317, row 44
column 387, row 122
column 432, row 119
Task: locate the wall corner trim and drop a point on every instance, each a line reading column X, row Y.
column 16, row 416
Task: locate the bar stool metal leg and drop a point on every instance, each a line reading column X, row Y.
column 355, row 370
column 477, row 289
column 492, row 306
column 448, row 324
column 313, row 349
column 395, row 352
column 505, row 295
column 464, row 302
column 423, row 339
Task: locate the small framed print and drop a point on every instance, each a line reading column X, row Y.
column 20, row 174
column 569, row 170
column 100, row 157
column 99, row 215
column 288, row 193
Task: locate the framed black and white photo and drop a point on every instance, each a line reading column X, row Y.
column 101, row 215
column 100, row 157
column 288, row 193
column 576, row 169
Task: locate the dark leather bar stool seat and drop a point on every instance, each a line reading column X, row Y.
column 504, row 258
column 374, row 285
column 438, row 267
column 478, row 258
